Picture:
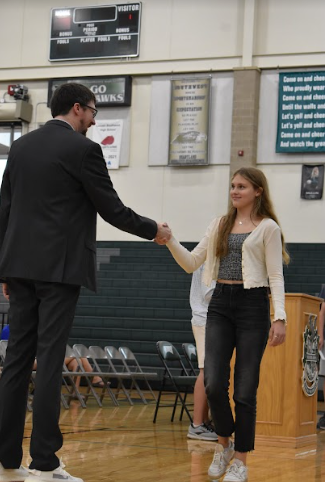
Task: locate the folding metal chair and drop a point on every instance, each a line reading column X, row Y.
column 3, row 351
column 81, row 351
column 136, row 370
column 98, row 356
column 122, row 374
column 68, row 378
column 191, row 357
column 183, row 382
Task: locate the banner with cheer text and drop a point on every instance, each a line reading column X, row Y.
column 301, row 112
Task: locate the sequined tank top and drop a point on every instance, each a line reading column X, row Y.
column 231, row 265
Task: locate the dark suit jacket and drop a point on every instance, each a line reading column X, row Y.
column 53, row 186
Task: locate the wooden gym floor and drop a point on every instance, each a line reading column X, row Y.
column 121, row 444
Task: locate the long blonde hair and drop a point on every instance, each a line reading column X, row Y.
column 263, row 208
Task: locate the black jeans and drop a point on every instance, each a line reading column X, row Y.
column 238, row 319
column 41, row 316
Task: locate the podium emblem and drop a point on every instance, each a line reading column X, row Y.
column 310, row 357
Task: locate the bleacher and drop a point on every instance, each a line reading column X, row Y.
column 143, row 296
column 306, row 271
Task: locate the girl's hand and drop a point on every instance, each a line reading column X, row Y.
column 277, row 333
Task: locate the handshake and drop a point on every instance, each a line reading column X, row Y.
column 163, row 234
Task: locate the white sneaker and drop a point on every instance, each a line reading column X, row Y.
column 221, row 461
column 237, row 472
column 9, row 475
column 56, row 475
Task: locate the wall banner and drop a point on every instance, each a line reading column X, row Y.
column 312, row 181
column 108, row 134
column 109, row 91
column 301, row 112
column 189, row 122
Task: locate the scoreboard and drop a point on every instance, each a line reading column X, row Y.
column 106, row 31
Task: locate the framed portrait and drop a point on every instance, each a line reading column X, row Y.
column 312, row 181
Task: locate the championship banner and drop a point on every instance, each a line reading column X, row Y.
column 301, row 112
column 189, row 122
column 108, row 134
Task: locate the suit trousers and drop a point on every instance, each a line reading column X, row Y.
column 41, row 316
column 238, row 319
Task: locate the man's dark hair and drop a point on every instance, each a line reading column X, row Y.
column 66, row 95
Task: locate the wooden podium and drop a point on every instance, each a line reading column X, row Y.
column 286, row 417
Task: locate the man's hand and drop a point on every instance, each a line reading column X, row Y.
column 5, row 291
column 277, row 333
column 163, row 234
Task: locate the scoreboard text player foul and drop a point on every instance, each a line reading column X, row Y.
column 106, row 31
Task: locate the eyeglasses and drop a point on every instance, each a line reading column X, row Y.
column 95, row 111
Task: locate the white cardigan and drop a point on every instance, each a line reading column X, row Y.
column 262, row 263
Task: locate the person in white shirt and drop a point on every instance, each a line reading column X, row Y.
column 200, row 296
column 244, row 251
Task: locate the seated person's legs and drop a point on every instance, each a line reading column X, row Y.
column 72, row 365
column 201, row 427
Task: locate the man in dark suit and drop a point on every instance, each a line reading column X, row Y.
column 54, row 185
